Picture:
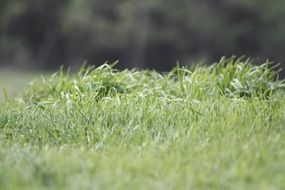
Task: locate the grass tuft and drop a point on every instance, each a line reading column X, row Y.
column 239, row 77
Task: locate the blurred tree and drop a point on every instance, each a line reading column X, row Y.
column 150, row 33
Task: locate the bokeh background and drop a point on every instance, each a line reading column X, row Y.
column 154, row 34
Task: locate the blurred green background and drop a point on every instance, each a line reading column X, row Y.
column 44, row 34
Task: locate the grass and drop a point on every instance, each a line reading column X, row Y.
column 218, row 127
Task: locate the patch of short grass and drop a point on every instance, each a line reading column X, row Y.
column 12, row 82
column 218, row 127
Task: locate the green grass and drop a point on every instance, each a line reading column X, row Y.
column 218, row 127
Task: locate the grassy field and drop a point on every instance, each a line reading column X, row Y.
column 13, row 82
column 218, row 127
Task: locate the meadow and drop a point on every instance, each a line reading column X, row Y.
column 14, row 82
column 204, row 127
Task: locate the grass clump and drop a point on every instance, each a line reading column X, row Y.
column 239, row 77
column 107, row 129
column 233, row 77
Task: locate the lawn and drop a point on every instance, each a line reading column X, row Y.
column 206, row 127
